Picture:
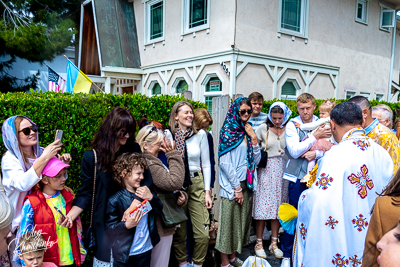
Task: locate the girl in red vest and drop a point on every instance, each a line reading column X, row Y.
column 44, row 209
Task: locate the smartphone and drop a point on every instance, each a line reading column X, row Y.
column 59, row 211
column 177, row 194
column 59, row 134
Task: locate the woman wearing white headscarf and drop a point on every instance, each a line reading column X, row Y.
column 6, row 216
column 272, row 189
column 20, row 174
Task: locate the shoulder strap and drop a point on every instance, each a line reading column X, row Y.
column 94, row 186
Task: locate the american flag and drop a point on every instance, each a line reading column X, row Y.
column 56, row 82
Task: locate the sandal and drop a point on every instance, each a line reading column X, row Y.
column 259, row 249
column 273, row 248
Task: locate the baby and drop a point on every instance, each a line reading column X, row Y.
column 322, row 144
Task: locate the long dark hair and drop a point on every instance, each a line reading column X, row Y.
column 105, row 141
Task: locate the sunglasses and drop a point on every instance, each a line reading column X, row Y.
column 244, row 111
column 26, row 131
column 153, row 129
column 122, row 133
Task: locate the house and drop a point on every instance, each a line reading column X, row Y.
column 331, row 49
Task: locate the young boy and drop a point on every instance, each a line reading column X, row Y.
column 44, row 209
column 257, row 117
column 31, row 250
column 133, row 238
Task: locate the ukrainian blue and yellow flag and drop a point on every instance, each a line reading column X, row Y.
column 77, row 81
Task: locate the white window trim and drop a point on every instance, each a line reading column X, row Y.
column 185, row 14
column 295, row 84
column 175, row 84
column 381, row 98
column 383, row 7
column 206, row 79
column 366, row 11
column 146, row 38
column 303, row 21
column 364, row 95
column 151, row 86
column 350, row 91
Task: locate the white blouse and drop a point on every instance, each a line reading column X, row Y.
column 17, row 183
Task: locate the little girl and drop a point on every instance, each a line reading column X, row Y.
column 45, row 208
column 322, row 144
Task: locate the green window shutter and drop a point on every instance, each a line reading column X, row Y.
column 288, row 89
column 291, row 14
column 156, row 20
column 156, row 89
column 198, row 13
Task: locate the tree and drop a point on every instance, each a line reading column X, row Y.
column 36, row 31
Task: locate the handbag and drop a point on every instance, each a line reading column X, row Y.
column 264, row 154
column 89, row 239
column 171, row 214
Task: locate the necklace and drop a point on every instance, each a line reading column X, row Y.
column 278, row 132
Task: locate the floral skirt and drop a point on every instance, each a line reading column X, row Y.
column 272, row 190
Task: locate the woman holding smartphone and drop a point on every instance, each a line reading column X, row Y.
column 192, row 145
column 20, row 174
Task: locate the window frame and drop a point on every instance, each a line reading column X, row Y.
column 147, row 21
column 296, row 85
column 176, row 83
column 304, row 20
column 364, row 94
column 151, row 87
column 382, row 98
column 186, row 17
column 383, row 9
column 206, row 79
column 351, row 92
column 365, row 4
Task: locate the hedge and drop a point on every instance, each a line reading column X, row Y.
column 79, row 116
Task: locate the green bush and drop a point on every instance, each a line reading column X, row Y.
column 79, row 116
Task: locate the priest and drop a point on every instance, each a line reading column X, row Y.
column 334, row 213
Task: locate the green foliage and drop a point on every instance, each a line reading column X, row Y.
column 79, row 116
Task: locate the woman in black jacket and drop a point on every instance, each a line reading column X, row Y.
column 115, row 136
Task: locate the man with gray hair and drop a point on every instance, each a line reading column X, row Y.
column 384, row 114
column 378, row 132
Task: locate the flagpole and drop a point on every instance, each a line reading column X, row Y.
column 79, row 69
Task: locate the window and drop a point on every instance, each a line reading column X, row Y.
column 154, row 88
column 213, row 88
column 379, row 97
column 196, row 15
column 387, row 19
column 181, row 87
column 350, row 94
column 154, row 11
column 293, row 17
column 362, row 11
column 290, row 89
column 365, row 95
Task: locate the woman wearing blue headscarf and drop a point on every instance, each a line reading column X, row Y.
column 21, row 138
column 272, row 189
column 239, row 154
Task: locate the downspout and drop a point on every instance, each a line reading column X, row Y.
column 392, row 58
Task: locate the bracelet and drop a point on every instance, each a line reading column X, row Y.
column 238, row 191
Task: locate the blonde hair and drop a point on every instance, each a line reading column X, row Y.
column 173, row 124
column 386, row 110
column 148, row 135
column 305, row 98
column 17, row 123
column 201, row 115
column 327, row 106
column 32, row 242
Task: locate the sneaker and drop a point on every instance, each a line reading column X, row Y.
column 237, row 262
column 285, row 262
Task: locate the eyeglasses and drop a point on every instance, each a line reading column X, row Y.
column 244, row 111
column 26, row 131
column 153, row 129
column 123, row 132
